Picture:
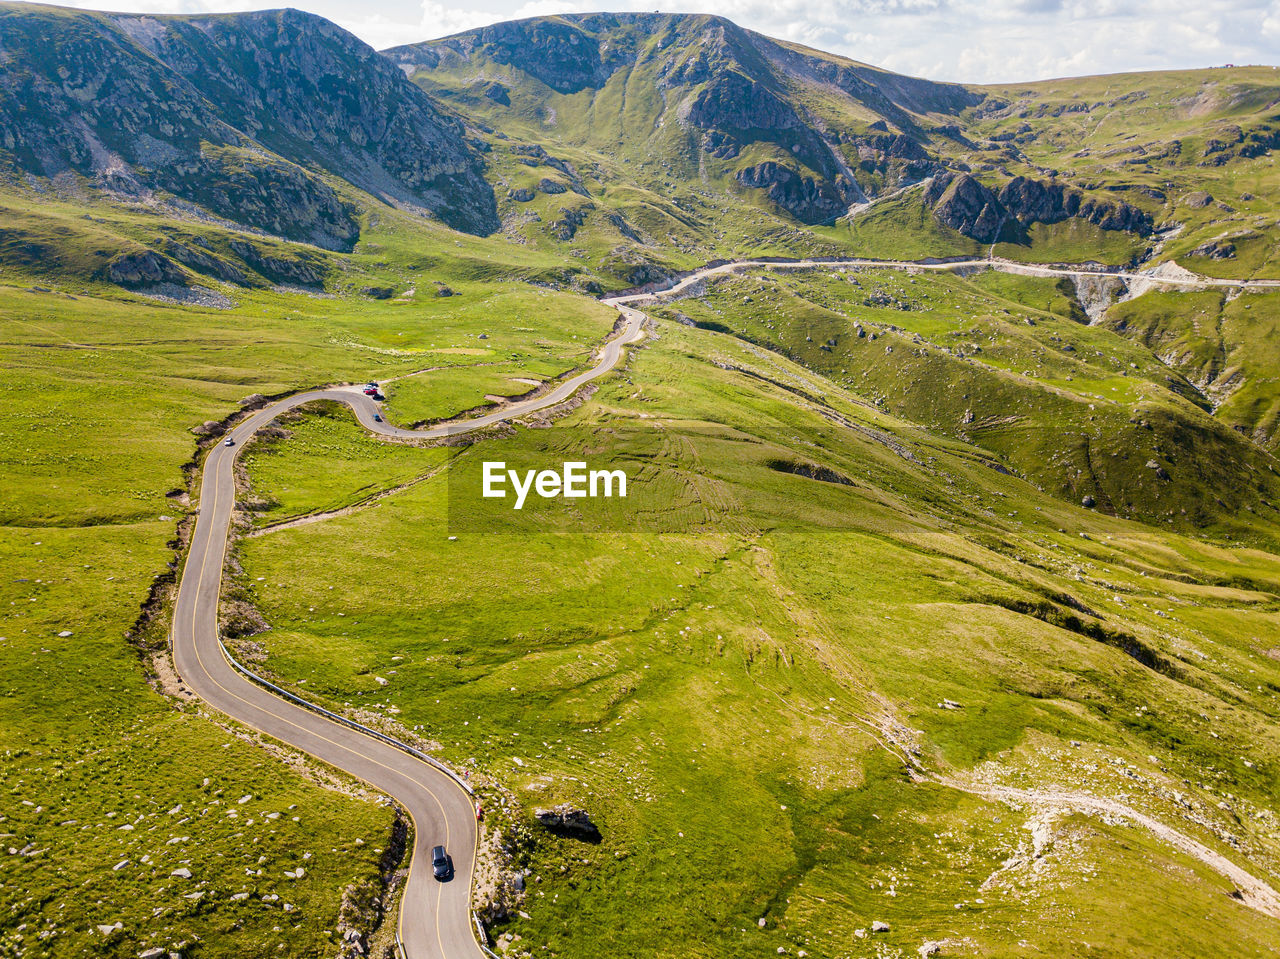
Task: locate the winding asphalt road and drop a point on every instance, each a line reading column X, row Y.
column 1178, row 279
column 435, row 917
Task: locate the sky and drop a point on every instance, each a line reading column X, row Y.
column 964, row 40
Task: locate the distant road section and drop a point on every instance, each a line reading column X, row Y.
column 1167, row 274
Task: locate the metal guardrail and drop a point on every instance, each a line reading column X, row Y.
column 482, row 937
column 400, row 950
column 337, row 717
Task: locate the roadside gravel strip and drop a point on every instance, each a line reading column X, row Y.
column 435, row 917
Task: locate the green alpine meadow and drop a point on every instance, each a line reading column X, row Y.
column 941, row 613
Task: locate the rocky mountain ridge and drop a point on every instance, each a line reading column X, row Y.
column 964, row 203
column 817, row 135
column 730, row 94
column 640, row 143
column 248, row 116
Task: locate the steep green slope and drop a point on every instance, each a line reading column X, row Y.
column 1191, row 147
column 1009, row 364
column 709, row 123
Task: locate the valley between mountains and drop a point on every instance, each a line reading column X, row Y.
column 942, row 613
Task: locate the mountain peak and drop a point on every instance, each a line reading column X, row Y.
column 241, row 114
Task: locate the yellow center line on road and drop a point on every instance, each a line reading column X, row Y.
column 315, row 723
column 284, row 719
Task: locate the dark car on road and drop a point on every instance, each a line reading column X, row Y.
column 441, row 864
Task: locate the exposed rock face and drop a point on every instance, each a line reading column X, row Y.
column 143, row 269
column 193, row 255
column 1231, row 142
column 1216, row 250
column 1096, row 293
column 497, row 93
column 735, row 103
column 808, row 199
column 1032, row 201
column 568, row 820
column 304, row 268
column 732, row 88
column 229, row 112
column 566, row 227
column 963, row 203
column 556, row 51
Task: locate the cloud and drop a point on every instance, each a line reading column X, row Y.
column 440, row 21
column 976, row 41
column 163, row 7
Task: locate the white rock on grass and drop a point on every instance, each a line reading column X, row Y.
column 879, row 926
column 182, row 873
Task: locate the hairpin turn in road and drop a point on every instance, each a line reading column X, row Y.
column 435, row 917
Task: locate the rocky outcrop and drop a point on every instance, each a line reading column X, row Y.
column 735, row 103
column 301, row 267
column 565, row 228
column 1231, row 142
column 965, row 204
column 554, row 50
column 191, row 253
column 262, row 191
column 568, row 821
column 497, row 93
column 535, row 155
column 1033, row 201
column 808, row 199
column 145, row 268
column 1216, row 250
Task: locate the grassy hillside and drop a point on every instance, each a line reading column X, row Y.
column 112, row 779
column 851, row 643
column 730, row 668
column 1008, row 364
